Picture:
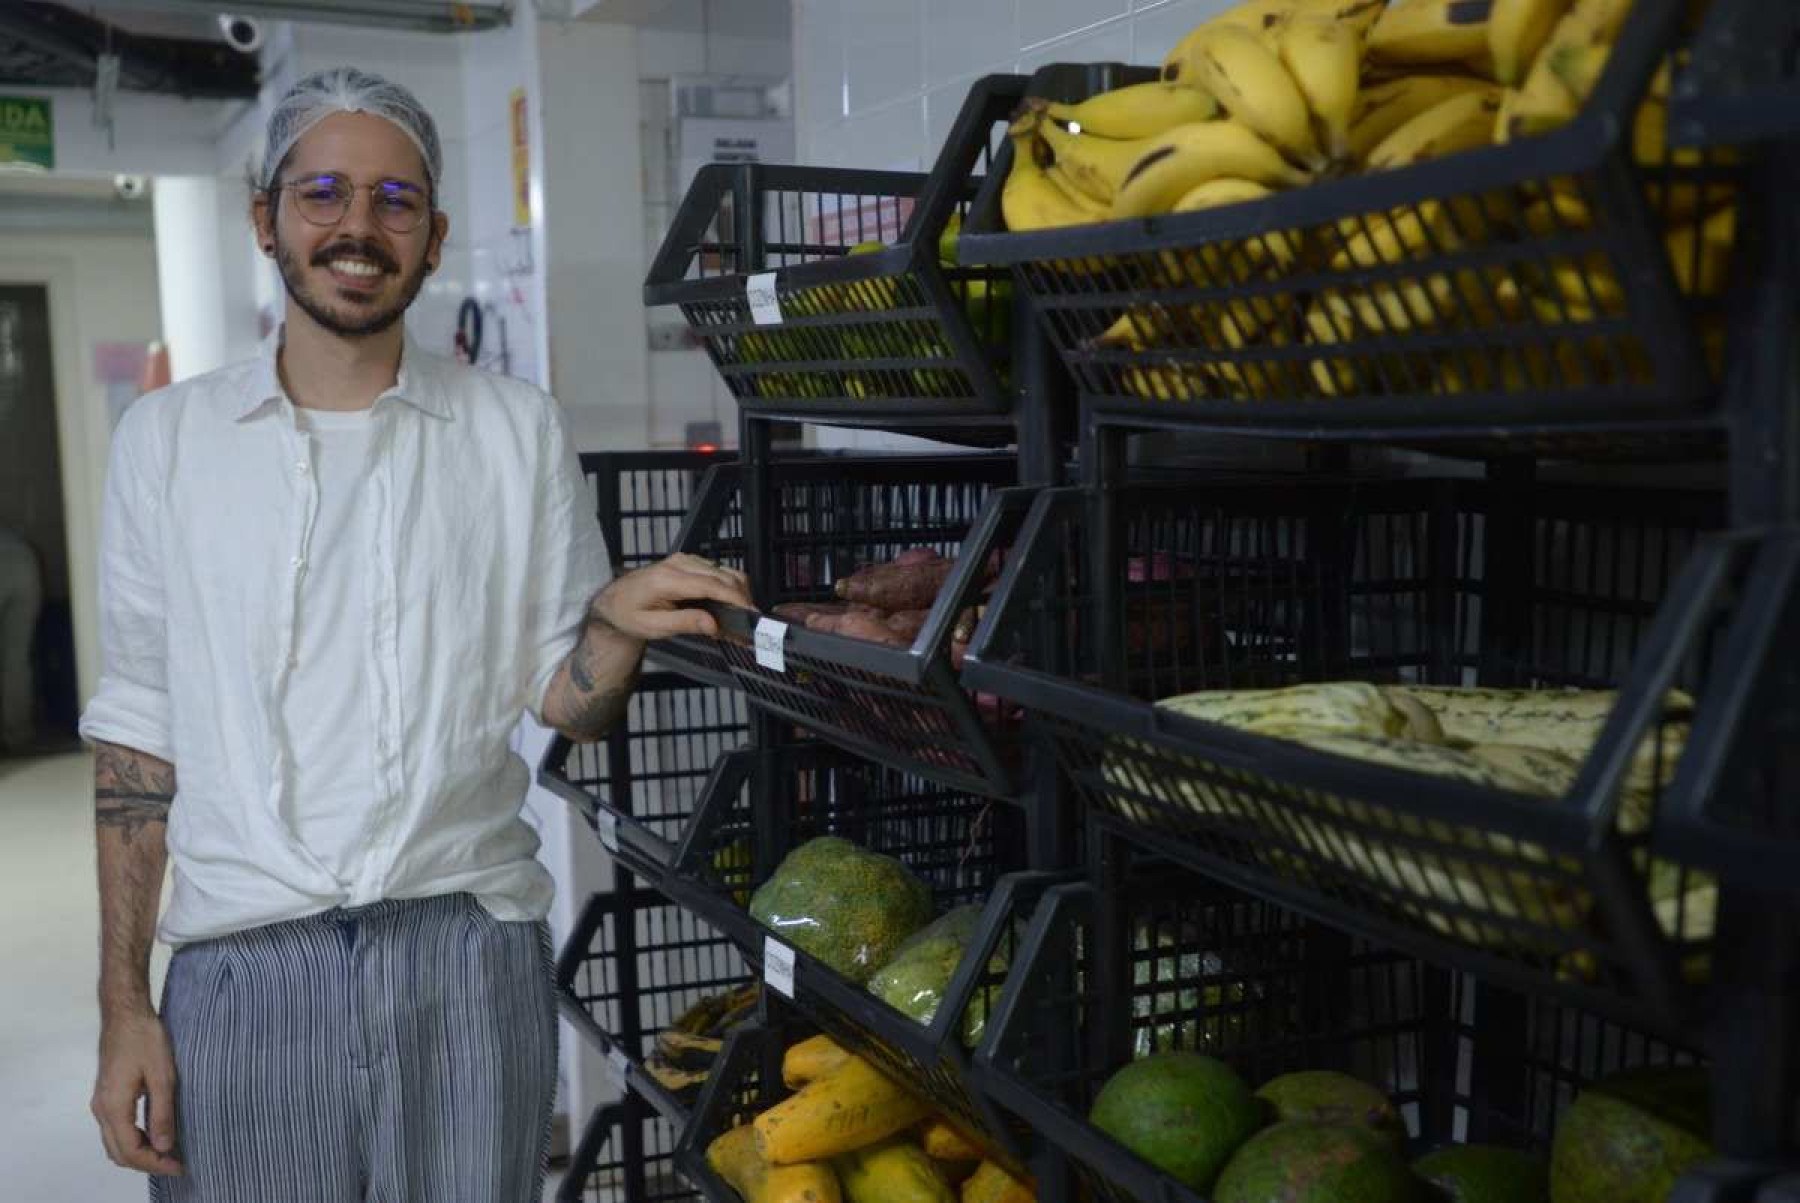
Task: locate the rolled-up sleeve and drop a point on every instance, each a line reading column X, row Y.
column 131, row 705
column 569, row 561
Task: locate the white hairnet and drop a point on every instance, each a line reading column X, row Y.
column 348, row 90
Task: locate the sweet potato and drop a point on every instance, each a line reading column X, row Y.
column 802, row 613
column 897, row 586
column 918, row 555
column 907, row 623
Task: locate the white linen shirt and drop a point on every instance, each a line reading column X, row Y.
column 482, row 555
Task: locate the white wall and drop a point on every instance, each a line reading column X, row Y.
column 594, row 227
column 151, row 135
column 879, row 82
column 102, row 289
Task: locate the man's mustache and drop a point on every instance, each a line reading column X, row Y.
column 351, row 248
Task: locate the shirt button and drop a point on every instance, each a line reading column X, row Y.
column 300, row 467
column 299, row 561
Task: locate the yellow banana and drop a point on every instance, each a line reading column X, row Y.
column 1701, row 253
column 1136, row 111
column 1460, row 123
column 1430, row 31
column 1604, row 17
column 1557, row 214
column 1357, row 15
column 1094, row 210
column 1174, row 164
column 1095, row 165
column 1029, row 200
column 1517, row 30
column 1384, row 107
column 1578, row 65
column 1395, row 238
column 1251, row 84
column 1329, row 322
column 1225, row 190
column 1325, row 59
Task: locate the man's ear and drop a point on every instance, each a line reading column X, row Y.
column 262, row 217
column 440, row 230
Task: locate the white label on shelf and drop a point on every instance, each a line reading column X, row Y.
column 609, row 831
column 771, row 635
column 778, row 965
column 765, row 306
column 616, row 1065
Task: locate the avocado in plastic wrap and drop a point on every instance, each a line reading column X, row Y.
column 843, row 905
column 914, row 982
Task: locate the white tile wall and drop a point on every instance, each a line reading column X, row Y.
column 870, row 95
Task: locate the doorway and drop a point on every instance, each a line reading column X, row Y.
column 38, row 688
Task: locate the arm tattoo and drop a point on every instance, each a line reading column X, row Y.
column 131, row 789
column 591, row 707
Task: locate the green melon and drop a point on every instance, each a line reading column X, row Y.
column 1318, row 1163
column 1628, row 1138
column 1485, row 1174
column 1182, row 1112
column 1323, row 1096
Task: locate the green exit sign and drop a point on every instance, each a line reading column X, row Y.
column 25, row 131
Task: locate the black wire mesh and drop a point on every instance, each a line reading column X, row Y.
column 1576, row 277
column 830, row 516
column 962, row 845
column 636, row 963
column 748, row 1080
column 869, row 313
column 627, row 1153
column 641, row 497
column 1168, row 961
column 1253, row 586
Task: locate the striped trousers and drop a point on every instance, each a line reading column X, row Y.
column 403, row 1052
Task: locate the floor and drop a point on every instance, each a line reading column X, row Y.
column 48, row 941
column 49, row 1022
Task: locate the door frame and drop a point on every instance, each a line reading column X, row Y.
column 82, row 438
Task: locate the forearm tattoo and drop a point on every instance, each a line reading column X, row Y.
column 132, row 789
column 592, row 707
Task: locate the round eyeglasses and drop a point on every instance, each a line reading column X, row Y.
column 323, row 200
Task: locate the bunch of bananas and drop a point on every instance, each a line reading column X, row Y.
column 1275, row 94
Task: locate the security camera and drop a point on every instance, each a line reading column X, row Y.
column 241, row 33
column 130, row 187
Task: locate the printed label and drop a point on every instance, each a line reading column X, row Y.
column 765, row 305
column 778, row 965
column 771, row 639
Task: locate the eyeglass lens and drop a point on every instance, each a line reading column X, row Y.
column 325, row 199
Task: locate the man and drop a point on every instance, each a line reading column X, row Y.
column 332, row 579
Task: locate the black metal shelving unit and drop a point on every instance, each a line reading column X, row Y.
column 1159, row 881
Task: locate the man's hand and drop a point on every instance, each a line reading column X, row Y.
column 653, row 602
column 136, row 1062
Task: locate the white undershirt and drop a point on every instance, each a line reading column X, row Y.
column 325, row 707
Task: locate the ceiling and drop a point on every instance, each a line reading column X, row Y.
column 57, row 46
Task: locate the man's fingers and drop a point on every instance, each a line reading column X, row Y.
column 664, row 624
column 162, row 1112
column 684, row 586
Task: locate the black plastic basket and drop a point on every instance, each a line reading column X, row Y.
column 633, row 964
column 640, row 498
column 747, row 1081
column 627, row 1155
column 1743, row 82
column 828, row 516
column 1407, row 581
column 1264, row 315
column 892, row 337
column 967, row 848
column 1164, row 961
column 637, row 786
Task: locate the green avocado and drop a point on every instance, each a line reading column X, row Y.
column 1323, row 1096
column 1318, row 1163
column 1485, row 1174
column 844, row 905
column 1182, row 1112
column 1628, row 1138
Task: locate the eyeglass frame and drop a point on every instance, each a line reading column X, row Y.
column 274, row 190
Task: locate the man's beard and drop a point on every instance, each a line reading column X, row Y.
column 293, row 279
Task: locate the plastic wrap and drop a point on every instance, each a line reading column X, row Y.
column 915, row 981
column 843, row 905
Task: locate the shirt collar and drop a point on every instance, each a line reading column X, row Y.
column 419, row 384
